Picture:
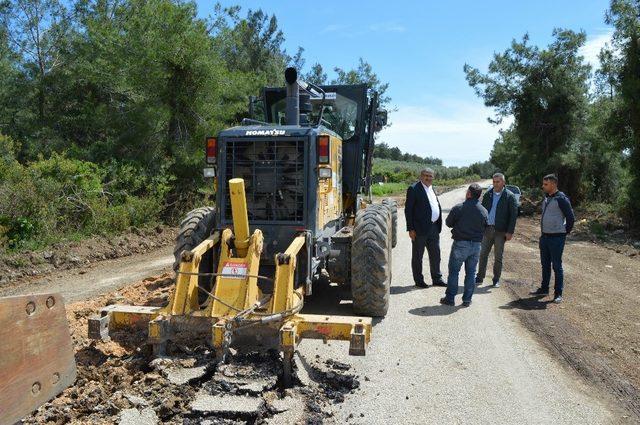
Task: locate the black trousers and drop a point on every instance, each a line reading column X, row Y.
column 431, row 242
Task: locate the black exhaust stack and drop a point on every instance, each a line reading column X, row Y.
column 298, row 105
column 292, row 110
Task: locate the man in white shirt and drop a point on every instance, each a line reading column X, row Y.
column 424, row 224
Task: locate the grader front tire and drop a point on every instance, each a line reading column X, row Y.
column 371, row 261
column 195, row 228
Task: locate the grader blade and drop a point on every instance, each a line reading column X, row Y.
column 36, row 356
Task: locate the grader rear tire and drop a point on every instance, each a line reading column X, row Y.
column 371, row 261
column 195, row 228
column 393, row 207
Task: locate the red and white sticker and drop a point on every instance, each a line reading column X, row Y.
column 234, row 270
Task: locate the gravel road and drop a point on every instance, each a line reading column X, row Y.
column 429, row 363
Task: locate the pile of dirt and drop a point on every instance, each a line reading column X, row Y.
column 120, row 381
column 15, row 267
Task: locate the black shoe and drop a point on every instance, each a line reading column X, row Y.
column 466, row 303
column 445, row 301
column 421, row 285
column 540, row 291
column 479, row 280
column 439, row 282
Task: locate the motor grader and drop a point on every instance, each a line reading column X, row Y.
column 293, row 214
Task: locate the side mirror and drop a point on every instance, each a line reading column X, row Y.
column 381, row 119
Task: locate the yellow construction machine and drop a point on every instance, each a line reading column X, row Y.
column 293, row 213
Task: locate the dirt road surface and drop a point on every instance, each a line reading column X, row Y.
column 101, row 278
column 434, row 364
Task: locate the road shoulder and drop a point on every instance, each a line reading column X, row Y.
column 596, row 331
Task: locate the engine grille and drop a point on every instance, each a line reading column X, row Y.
column 273, row 173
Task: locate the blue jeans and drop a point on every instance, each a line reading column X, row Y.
column 466, row 252
column 551, row 248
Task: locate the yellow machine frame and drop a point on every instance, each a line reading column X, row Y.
column 236, row 300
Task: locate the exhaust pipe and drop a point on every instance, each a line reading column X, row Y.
column 292, row 110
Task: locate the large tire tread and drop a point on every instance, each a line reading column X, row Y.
column 371, row 261
column 392, row 204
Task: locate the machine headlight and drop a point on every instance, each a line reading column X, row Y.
column 324, row 173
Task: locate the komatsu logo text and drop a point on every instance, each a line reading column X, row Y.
column 272, row 132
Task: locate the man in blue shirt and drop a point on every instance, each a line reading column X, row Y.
column 503, row 212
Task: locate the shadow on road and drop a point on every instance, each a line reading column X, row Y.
column 395, row 290
column 329, row 300
column 435, row 310
column 444, row 310
column 531, row 303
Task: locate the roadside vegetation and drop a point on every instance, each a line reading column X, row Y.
column 393, row 170
column 569, row 119
column 392, row 177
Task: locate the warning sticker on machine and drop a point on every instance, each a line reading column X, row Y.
column 234, row 269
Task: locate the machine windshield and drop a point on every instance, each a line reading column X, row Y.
column 341, row 115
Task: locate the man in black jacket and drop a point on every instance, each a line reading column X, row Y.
column 503, row 213
column 467, row 221
column 424, row 224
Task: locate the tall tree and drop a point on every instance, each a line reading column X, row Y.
column 624, row 15
column 363, row 74
column 8, row 75
column 316, row 75
column 545, row 90
column 38, row 31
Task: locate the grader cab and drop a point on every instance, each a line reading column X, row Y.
column 293, row 212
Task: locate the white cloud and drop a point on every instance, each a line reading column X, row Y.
column 594, row 44
column 455, row 131
column 333, row 28
column 358, row 31
column 391, row 26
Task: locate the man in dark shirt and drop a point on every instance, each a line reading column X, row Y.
column 424, row 223
column 468, row 221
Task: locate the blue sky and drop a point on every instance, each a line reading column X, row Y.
column 420, row 47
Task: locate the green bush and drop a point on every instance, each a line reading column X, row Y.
column 384, row 189
column 57, row 197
